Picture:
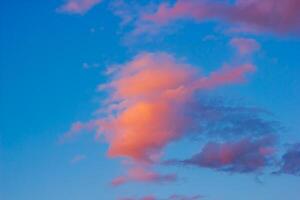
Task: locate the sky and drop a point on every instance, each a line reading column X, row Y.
column 149, row 100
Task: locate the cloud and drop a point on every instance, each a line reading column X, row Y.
column 78, row 6
column 125, row 10
column 226, row 119
column 268, row 15
column 209, row 38
column 76, row 129
column 183, row 197
column 148, row 110
column 245, row 46
column 86, row 65
column 290, row 162
column 126, row 198
column 78, row 158
column 155, row 99
column 150, row 197
column 141, row 174
column 172, row 197
column 244, row 156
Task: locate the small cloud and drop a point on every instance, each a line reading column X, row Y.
column 209, row 38
column 172, row 197
column 244, row 156
column 78, row 158
column 76, row 129
column 245, row 46
column 141, row 174
column 149, row 197
column 78, row 6
column 124, row 10
column 92, row 30
column 290, row 161
column 184, row 197
column 96, row 29
column 86, row 65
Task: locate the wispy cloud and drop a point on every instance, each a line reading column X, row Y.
column 185, row 197
column 227, row 119
column 78, row 158
column 126, row 11
column 245, row 46
column 244, row 156
column 269, row 15
column 78, row 6
column 290, row 162
column 142, row 174
column 172, row 197
column 77, row 128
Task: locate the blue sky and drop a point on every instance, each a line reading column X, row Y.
column 51, row 64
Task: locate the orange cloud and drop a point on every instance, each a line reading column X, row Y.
column 149, row 97
column 152, row 102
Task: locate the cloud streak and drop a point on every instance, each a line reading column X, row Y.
column 245, row 46
column 141, row 174
column 183, row 197
column 225, row 120
column 78, row 158
column 244, row 156
column 78, row 6
column 269, row 15
column 172, row 197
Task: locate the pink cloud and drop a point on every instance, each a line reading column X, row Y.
column 126, row 198
column 141, row 174
column 268, row 15
column 245, row 45
column 148, row 109
column 76, row 129
column 153, row 100
column 78, row 6
column 172, row 197
column 181, row 9
column 243, row 156
column 150, row 197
